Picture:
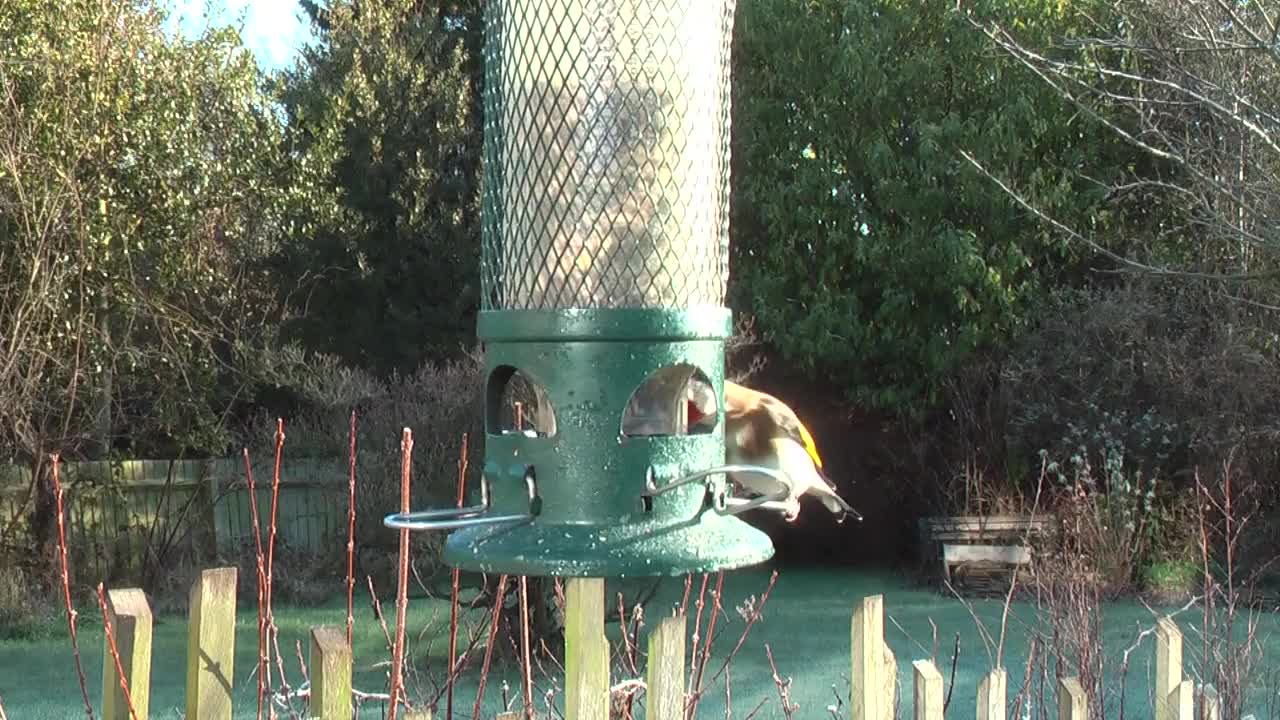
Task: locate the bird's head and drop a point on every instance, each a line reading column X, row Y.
column 696, row 414
column 700, row 402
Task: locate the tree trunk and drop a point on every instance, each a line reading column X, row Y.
column 44, row 526
column 102, row 398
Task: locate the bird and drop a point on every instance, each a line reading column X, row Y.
column 762, row 430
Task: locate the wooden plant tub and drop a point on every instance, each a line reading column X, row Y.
column 984, row 544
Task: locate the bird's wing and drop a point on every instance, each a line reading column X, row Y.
column 741, row 400
column 791, row 425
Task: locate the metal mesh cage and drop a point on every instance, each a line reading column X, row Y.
column 606, row 180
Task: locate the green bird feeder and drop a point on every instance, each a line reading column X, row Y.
column 604, row 264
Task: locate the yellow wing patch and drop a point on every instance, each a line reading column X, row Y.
column 809, row 446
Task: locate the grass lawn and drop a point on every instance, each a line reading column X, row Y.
column 806, row 623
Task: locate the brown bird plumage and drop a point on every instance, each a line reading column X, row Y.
column 762, row 430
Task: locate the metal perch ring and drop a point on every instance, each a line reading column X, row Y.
column 473, row 516
column 722, row 503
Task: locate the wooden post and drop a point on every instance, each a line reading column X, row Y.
column 992, row 695
column 1072, row 702
column 1210, row 703
column 330, row 673
column 889, row 681
column 664, row 696
column 1182, row 701
column 928, row 691
column 586, row 650
column 1168, row 666
column 211, row 644
column 866, row 701
column 131, row 626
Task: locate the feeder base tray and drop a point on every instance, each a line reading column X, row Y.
column 710, row 543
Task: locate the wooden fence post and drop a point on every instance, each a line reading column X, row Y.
column 928, row 691
column 867, row 686
column 1182, row 701
column 211, row 644
column 1168, row 667
column 1072, row 702
column 992, row 695
column 330, row 673
column 1210, row 703
column 586, row 650
column 664, row 695
column 889, row 681
column 130, row 618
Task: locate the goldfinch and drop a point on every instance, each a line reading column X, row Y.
column 761, row 430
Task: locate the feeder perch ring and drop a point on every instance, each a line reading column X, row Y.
column 722, row 503
column 726, row 505
column 465, row 517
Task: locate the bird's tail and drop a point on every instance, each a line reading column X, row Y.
column 833, row 502
column 838, row 506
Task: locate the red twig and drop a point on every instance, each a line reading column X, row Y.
column 494, row 621
column 524, row 647
column 271, row 520
column 1023, row 698
column 527, row 672
column 453, row 605
column 66, row 591
column 629, row 640
column 628, row 648
column 784, row 686
column 285, row 689
column 711, row 627
column 697, row 632
column 377, row 612
column 750, row 621
column 351, row 530
column 115, row 651
column 402, row 590
column 756, row 612
column 756, row 709
column 302, row 664
column 951, row 682
column 637, row 615
column 263, row 667
column 474, row 635
column 728, row 695
column 688, row 585
column 700, row 667
column 271, row 546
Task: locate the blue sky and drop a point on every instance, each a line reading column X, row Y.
column 273, row 30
